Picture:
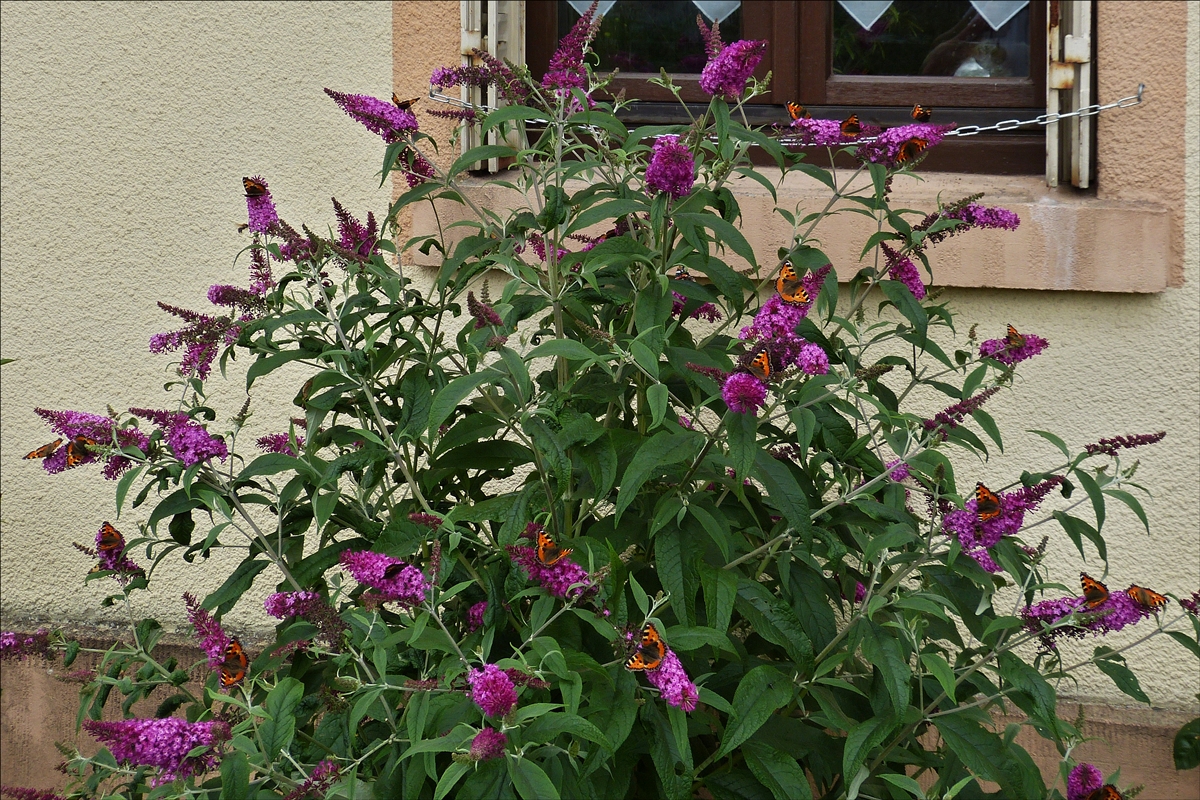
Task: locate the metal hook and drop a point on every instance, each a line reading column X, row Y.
column 1141, row 88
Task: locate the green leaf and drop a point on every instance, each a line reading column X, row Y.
column 861, row 739
column 989, row 426
column 564, row 348
column 453, row 393
column 266, row 364
column 509, row 113
column 776, row 770
column 549, row 725
column 723, row 231
column 451, row 776
column 235, row 776
column 762, row 692
column 1021, row 675
column 657, row 396
column 686, row 639
column 904, row 783
column 1054, row 440
column 1187, row 746
column 278, row 729
column 481, row 153
column 941, row 670
column 661, row 450
column 1121, row 675
column 237, row 584
column 1093, row 491
column 1131, row 501
column 273, row 464
column 775, row 621
column 784, row 492
column 1077, row 529
column 1187, row 641
column 605, row 211
column 902, row 298
column 885, row 651
column 531, row 781
column 743, row 441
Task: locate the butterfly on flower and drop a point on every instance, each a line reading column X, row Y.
column 789, row 286
column 911, row 149
column 1013, row 340
column 548, row 552
column 759, row 363
column 110, row 538
column 987, row 503
column 1094, row 592
column 681, row 274
column 851, row 126
column 798, row 111
column 1105, row 792
column 45, row 451
column 254, row 188
column 921, row 113
column 1146, row 598
column 77, row 448
column 404, row 105
column 650, row 650
column 233, row 668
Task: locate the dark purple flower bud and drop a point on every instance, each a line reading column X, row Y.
column 671, row 168
column 483, row 313
column 1109, row 447
column 744, row 393
column 492, row 690
column 1083, row 780
column 489, row 743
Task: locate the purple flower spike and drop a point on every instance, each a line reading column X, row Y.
column 901, row 268
column 813, row 359
column 260, row 207
column 162, row 743
column 885, row 148
column 22, row 793
column 213, row 640
column 279, row 443
column 726, row 75
column 380, row 117
column 673, row 682
column 1191, row 604
column 900, row 472
column 558, row 578
column 354, row 238
column 828, row 132
column 1010, row 353
column 489, row 743
column 1083, row 780
column 483, row 313
column 475, row 616
column 492, row 690
column 14, row 646
column 671, row 168
column 318, row 782
column 744, row 393
column 394, row 579
column 1109, row 447
column 949, row 418
column 101, row 430
column 977, row 536
column 565, row 71
column 189, row 441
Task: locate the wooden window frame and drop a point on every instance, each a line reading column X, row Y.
column 804, row 73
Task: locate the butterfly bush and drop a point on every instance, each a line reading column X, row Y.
column 762, row 481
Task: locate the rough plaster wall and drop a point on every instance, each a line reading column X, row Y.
column 126, row 131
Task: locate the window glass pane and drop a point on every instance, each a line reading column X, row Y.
column 931, row 37
column 642, row 36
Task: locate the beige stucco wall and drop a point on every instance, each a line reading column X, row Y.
column 126, row 128
column 126, row 131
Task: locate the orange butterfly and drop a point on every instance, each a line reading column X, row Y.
column 681, row 274
column 1094, row 592
column 650, row 651
column 233, row 668
column 1014, row 340
column 789, row 286
column 254, row 188
column 548, row 552
column 110, row 538
column 46, row 450
column 1105, row 792
column 77, row 449
column 911, row 149
column 851, row 126
column 798, row 111
column 921, row 113
column 987, row 503
column 1147, row 598
column 759, row 364
column 404, row 105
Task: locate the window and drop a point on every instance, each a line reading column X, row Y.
column 976, row 62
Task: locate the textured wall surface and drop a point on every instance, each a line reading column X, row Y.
column 126, row 131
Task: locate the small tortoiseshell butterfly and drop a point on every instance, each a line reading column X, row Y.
column 233, row 668
column 758, row 363
column 921, row 113
column 1014, row 340
column 110, row 538
column 254, row 188
column 851, row 126
column 1105, row 792
column 911, row 149
column 548, row 552
column 1094, row 592
column 790, row 288
column 987, row 503
column 77, row 448
column 650, row 650
column 1147, row 598
column 404, row 105
column 798, row 111
column 45, row 451
column 681, row 274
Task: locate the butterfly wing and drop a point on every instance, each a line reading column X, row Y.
column 681, row 274
column 987, row 503
column 758, row 363
column 110, row 538
column 404, row 105
column 233, row 668
column 45, row 451
column 254, row 188
column 1013, row 339
column 548, row 552
column 650, row 651
column 851, row 126
column 1147, row 598
column 790, row 288
column 797, row 111
column 77, row 449
column 1105, row 792
column 921, row 113
column 911, row 149
column 1094, row 592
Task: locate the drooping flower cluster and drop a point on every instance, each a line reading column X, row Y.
column 318, row 782
column 489, row 743
column 673, row 683
column 260, row 206
column 726, row 74
column 280, row 443
column 98, row 429
column 1007, row 353
column 899, row 470
column 491, row 72
column 976, row 536
column 948, row 418
column 563, row 578
column 671, row 168
column 356, row 241
column 380, row 117
column 394, row 579
column 483, row 313
column 901, row 268
column 475, row 616
column 744, row 393
column 1109, row 447
column 189, row 441
column 1083, row 780
column 427, row 520
column 113, row 557
column 828, row 132
column 971, row 215
column 15, row 646
column 163, row 744
column 22, row 793
column 706, row 311
column 1118, row 611
column 212, row 637
column 492, row 690
column 310, row 606
column 1191, row 604
column 887, row 146
column 565, row 71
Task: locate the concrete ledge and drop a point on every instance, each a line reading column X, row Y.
column 1066, row 241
